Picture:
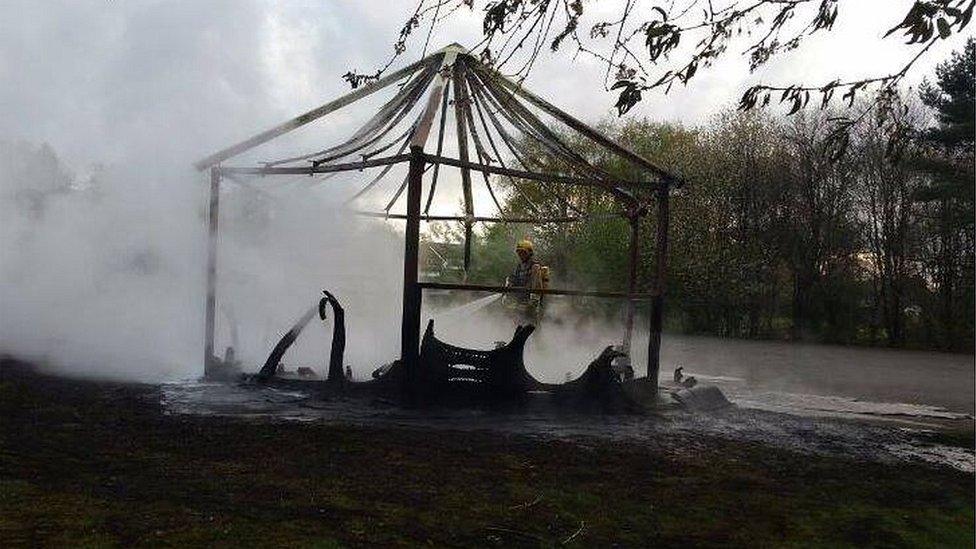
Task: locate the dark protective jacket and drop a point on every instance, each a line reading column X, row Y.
column 522, row 278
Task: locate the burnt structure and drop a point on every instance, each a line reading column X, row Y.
column 498, row 373
column 494, row 119
column 452, row 375
column 335, row 373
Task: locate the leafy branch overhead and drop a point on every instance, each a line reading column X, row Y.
column 650, row 45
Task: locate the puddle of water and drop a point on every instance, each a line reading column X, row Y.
column 829, row 432
column 800, row 403
column 952, row 456
column 747, row 396
column 941, row 380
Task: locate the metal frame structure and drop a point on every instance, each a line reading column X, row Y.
column 482, row 98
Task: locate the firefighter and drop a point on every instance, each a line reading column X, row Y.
column 528, row 273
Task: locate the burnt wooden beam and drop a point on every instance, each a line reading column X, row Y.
column 476, row 219
column 460, row 98
column 634, row 258
column 513, row 290
column 578, row 125
column 337, row 352
column 412, row 296
column 312, row 170
column 270, row 367
column 396, row 195
column 522, row 118
column 418, row 138
column 310, row 116
column 660, row 275
column 429, row 158
column 379, row 177
column 440, row 146
column 535, row 176
column 210, row 313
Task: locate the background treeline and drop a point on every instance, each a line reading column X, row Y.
column 771, row 238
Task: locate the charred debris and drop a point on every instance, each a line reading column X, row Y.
column 445, row 374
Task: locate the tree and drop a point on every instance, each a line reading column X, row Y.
column 947, row 155
column 886, row 203
column 651, row 46
column 952, row 97
column 734, row 226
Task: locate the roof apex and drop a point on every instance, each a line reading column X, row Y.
column 453, row 46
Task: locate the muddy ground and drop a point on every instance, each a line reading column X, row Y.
column 100, row 463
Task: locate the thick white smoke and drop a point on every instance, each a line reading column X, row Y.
column 104, row 274
column 102, row 268
column 94, row 272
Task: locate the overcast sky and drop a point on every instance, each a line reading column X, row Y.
column 112, row 81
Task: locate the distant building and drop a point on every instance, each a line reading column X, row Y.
column 441, row 261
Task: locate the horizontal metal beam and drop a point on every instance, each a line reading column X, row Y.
column 476, row 219
column 399, row 158
column 511, row 290
column 322, row 168
column 549, row 178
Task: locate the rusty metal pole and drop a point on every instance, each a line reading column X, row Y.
column 210, row 313
column 657, row 298
column 410, row 324
column 632, row 281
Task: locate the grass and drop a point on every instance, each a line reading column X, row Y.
column 97, row 464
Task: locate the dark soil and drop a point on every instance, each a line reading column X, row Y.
column 98, row 463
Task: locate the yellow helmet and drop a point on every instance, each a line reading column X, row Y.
column 524, row 244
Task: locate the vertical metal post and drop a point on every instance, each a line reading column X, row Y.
column 410, row 324
column 632, row 281
column 467, row 247
column 460, row 103
column 210, row 315
column 657, row 298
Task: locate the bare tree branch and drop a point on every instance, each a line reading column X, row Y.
column 655, row 44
